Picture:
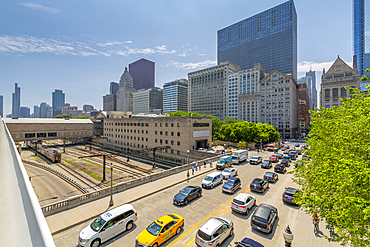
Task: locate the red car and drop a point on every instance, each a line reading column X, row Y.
column 274, row 158
column 283, row 149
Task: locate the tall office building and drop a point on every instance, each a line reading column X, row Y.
column 312, row 74
column 36, row 111
column 308, row 81
column 208, row 89
column 16, row 101
column 113, row 87
column 25, row 112
column 303, row 107
column 361, row 41
column 142, row 72
column 124, row 93
column 268, row 38
column 1, row 106
column 46, row 111
column 175, row 96
column 87, row 107
column 147, row 101
column 58, row 99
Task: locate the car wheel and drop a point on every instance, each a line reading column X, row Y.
column 129, row 226
column 155, row 245
column 178, row 230
column 247, row 211
column 199, row 194
column 231, row 232
column 95, row 243
column 186, row 202
column 212, row 186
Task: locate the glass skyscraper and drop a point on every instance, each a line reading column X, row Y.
column 16, row 101
column 361, row 41
column 142, row 72
column 268, row 38
column 175, row 96
column 58, row 98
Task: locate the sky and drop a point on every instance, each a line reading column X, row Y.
column 82, row 46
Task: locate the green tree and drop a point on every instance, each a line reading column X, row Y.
column 63, row 116
column 335, row 183
column 82, row 117
column 230, row 120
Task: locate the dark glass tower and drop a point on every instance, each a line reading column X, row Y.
column 16, row 101
column 142, row 72
column 268, row 38
column 361, row 42
column 58, row 98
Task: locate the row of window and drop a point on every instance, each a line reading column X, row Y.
column 166, row 133
column 33, row 135
column 142, row 124
column 142, row 146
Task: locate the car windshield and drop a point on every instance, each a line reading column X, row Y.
column 234, row 157
column 185, row 191
column 97, row 224
column 266, row 162
column 208, row 178
column 254, row 158
column 288, row 193
column 268, row 175
column 154, row 229
column 230, row 182
column 227, row 171
column 221, row 162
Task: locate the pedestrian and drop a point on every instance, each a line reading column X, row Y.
column 205, row 164
column 192, row 169
column 315, row 220
column 210, row 163
column 200, row 167
column 196, row 166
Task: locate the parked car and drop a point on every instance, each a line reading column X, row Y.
column 288, row 195
column 264, row 217
column 283, row 148
column 214, row 232
column 259, row 185
column 160, row 230
column 280, row 156
column 286, row 151
column 271, row 176
column 280, row 168
column 229, row 172
column 224, row 162
column 297, row 145
column 284, row 163
column 287, row 158
column 212, row 179
column 255, row 160
column 231, row 185
column 292, row 156
column 266, row 164
column 248, row 242
column 187, row 194
column 108, row 225
column 242, row 203
column 273, row 158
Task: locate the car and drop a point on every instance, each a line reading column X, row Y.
column 280, row 156
column 160, row 230
column 287, row 146
column 288, row 195
column 286, row 151
column 297, row 145
column 231, row 185
column 280, row 168
column 202, row 149
column 264, row 217
column 298, row 163
column 108, row 225
column 271, row 176
column 214, row 232
column 304, row 156
column 255, row 160
column 242, row 203
column 292, row 156
column 248, row 242
column 259, row 185
column 187, row 194
column 273, row 158
column 284, row 163
column 212, row 179
column 300, row 151
column 283, row 148
column 229, row 172
column 287, row 158
column 266, row 164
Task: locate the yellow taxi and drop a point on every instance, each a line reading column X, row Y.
column 160, row 230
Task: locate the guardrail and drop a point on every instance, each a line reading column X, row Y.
column 88, row 197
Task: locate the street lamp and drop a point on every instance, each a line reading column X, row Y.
column 111, row 185
column 261, row 144
column 188, row 151
column 288, row 236
column 39, row 175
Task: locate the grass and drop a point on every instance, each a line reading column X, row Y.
column 70, row 162
column 34, row 155
column 92, row 174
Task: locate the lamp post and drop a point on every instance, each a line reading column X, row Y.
column 111, row 185
column 288, row 236
column 188, row 151
column 261, row 144
column 38, row 175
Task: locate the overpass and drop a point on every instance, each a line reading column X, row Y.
column 22, row 219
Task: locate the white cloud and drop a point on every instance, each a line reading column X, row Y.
column 197, row 65
column 40, row 7
column 145, row 51
column 305, row 66
column 114, row 43
column 184, row 54
column 201, row 55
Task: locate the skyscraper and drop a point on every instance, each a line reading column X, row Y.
column 113, row 87
column 308, row 81
column 58, row 99
column 1, row 106
column 175, row 96
column 124, row 93
column 142, row 72
column 268, row 38
column 36, row 111
column 25, row 112
column 313, row 87
column 45, row 110
column 147, row 100
column 361, row 41
column 16, row 101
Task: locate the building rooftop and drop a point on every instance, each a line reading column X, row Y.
column 46, row 120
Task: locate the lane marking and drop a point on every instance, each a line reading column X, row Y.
column 218, row 212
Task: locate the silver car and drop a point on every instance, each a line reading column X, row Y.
column 214, row 232
column 242, row 203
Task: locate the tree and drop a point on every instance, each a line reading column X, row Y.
column 63, row 116
column 335, row 183
column 82, row 117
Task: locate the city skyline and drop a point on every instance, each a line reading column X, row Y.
column 61, row 50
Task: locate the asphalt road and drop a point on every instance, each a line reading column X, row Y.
column 215, row 203
column 48, row 187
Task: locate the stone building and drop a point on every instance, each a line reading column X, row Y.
column 303, row 107
column 124, row 93
column 147, row 101
column 335, row 80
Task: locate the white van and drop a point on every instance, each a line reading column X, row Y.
column 239, row 156
column 108, row 225
column 211, row 180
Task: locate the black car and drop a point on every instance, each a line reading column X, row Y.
column 187, row 194
column 266, row 164
column 280, row 168
column 280, row 156
column 284, row 163
column 247, row 242
column 288, row 195
column 271, row 176
column 264, row 217
column 292, row 156
column 259, row 185
column 297, row 145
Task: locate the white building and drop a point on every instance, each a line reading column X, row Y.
column 124, row 93
column 175, row 96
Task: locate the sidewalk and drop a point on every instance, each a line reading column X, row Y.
column 69, row 218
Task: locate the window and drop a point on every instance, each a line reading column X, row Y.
column 147, row 124
column 146, row 132
column 172, row 142
column 178, row 143
column 172, row 133
column 166, row 141
column 172, row 124
column 178, row 124
column 155, row 132
column 155, row 140
column 53, row 134
column 160, row 132
column 160, row 141
column 155, row 124
column 41, row 134
column 166, row 124
column 178, row 133
column 29, row 135
column 166, row 133
column 160, row 124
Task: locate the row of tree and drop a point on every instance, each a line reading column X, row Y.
column 69, row 116
column 233, row 130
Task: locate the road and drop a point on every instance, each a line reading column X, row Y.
column 48, row 187
column 216, row 203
